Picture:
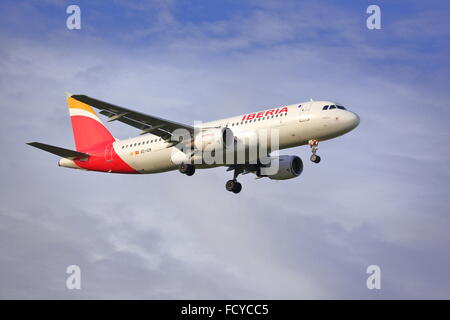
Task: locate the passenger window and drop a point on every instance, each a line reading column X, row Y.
column 332, row 107
column 325, row 108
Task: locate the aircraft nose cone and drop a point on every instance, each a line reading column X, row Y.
column 349, row 121
column 353, row 120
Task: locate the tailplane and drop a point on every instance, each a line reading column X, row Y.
column 65, row 153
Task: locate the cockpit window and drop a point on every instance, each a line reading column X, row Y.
column 333, row 106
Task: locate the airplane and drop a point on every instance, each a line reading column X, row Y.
column 159, row 149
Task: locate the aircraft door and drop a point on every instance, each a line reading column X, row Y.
column 303, row 111
column 108, row 153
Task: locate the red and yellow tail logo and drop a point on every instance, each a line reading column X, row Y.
column 88, row 130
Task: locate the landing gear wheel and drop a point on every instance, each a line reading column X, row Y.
column 191, row 171
column 314, row 147
column 183, row 168
column 230, row 185
column 187, row 169
column 315, row 158
column 233, row 186
column 237, row 187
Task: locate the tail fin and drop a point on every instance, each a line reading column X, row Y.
column 88, row 130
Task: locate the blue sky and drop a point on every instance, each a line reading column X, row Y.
column 379, row 196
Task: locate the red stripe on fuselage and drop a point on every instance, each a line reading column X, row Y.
column 105, row 159
column 92, row 137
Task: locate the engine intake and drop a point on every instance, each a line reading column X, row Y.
column 288, row 167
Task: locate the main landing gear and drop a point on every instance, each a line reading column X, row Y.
column 187, row 169
column 313, row 144
column 233, row 185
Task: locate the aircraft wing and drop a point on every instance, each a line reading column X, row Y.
column 146, row 123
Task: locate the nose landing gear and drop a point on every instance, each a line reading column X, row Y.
column 187, row 169
column 313, row 144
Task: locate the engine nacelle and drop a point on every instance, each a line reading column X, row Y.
column 214, row 139
column 288, row 167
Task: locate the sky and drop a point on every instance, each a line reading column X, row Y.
column 378, row 197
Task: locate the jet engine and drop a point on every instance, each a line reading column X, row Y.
column 214, row 139
column 288, row 167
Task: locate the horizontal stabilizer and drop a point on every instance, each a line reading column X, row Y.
column 65, row 153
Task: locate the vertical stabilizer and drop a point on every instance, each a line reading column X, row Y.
column 88, row 130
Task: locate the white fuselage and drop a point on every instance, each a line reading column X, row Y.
column 296, row 125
